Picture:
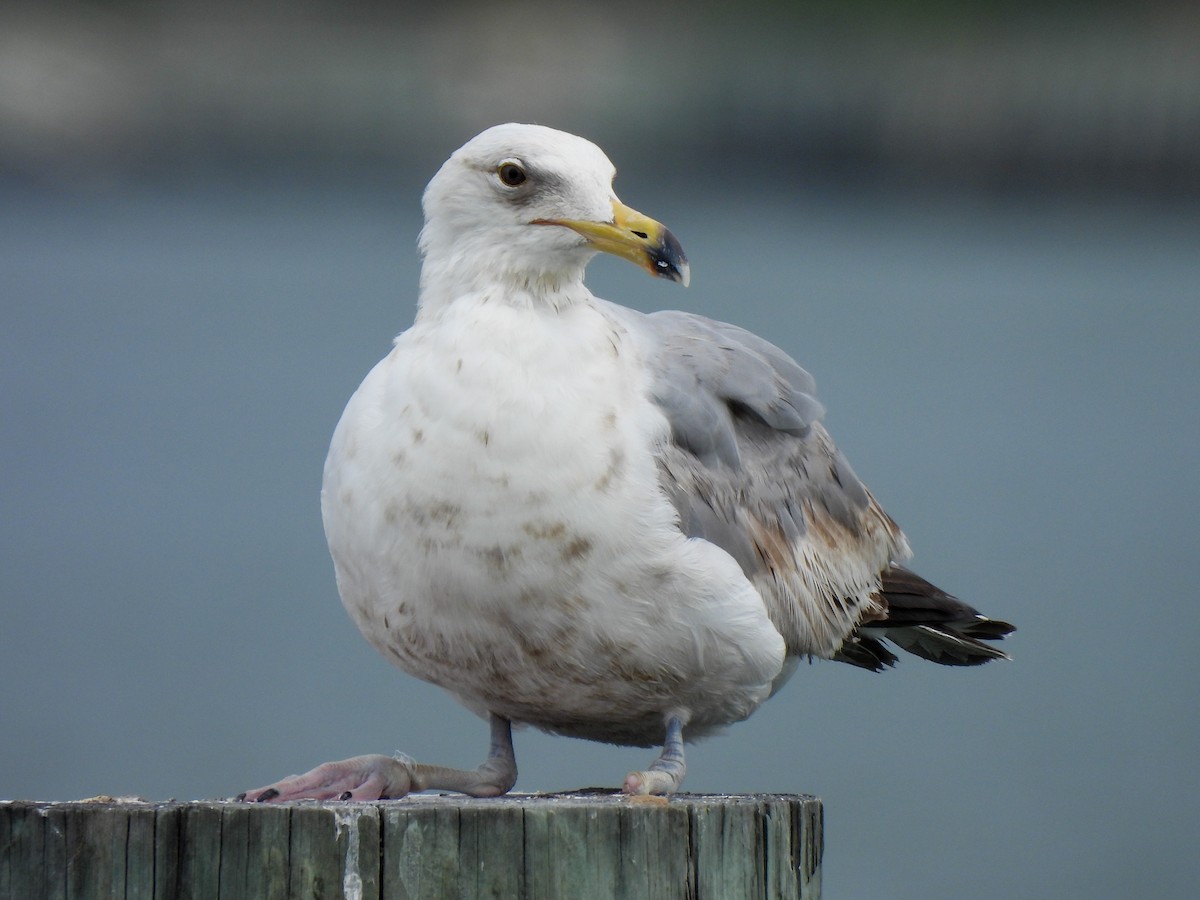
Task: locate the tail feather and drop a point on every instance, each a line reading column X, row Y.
column 927, row 622
column 866, row 652
column 946, row 645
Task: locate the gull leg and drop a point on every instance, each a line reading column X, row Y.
column 378, row 777
column 666, row 773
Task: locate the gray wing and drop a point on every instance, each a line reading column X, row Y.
column 750, row 468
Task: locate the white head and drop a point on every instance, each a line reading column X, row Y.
column 528, row 206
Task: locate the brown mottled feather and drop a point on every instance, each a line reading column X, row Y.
column 751, row 469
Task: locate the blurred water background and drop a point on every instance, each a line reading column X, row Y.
column 977, row 224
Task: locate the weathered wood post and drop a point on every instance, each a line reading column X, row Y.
column 518, row 846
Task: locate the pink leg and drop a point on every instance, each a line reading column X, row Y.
column 665, row 774
column 377, row 777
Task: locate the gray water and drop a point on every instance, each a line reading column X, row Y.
column 1016, row 378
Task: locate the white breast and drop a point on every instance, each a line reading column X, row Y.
column 491, row 502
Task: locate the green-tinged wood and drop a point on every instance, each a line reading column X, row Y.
column 139, row 853
column 199, row 849
column 96, row 847
column 167, row 828
column 255, row 853
column 55, row 870
column 492, row 839
column 518, row 846
column 809, row 819
column 335, row 851
column 315, row 867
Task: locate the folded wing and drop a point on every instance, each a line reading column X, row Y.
column 750, row 468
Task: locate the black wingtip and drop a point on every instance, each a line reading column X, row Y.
column 866, row 653
column 926, row 621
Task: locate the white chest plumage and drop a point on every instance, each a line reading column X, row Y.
column 484, row 494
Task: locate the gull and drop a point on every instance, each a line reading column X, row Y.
column 604, row 524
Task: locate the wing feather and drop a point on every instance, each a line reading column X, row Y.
column 750, row 468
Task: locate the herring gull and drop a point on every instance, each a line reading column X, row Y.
column 604, row 524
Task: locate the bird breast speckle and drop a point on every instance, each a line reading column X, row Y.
column 481, row 526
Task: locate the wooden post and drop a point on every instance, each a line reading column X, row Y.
column 518, row 846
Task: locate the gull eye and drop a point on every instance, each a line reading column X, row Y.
column 511, row 174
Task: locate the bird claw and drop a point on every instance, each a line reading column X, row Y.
column 652, row 781
column 665, row 774
column 376, row 777
column 371, row 777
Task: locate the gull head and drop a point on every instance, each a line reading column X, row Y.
column 527, row 205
